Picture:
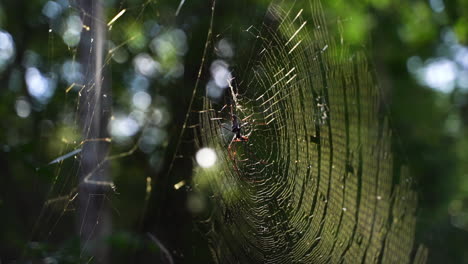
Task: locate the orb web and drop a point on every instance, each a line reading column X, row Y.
column 317, row 180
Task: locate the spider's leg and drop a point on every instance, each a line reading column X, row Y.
column 230, row 143
column 234, row 162
column 222, row 108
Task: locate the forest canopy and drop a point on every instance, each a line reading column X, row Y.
column 246, row 131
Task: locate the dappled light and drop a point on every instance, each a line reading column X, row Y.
column 440, row 74
column 141, row 100
column 145, row 65
column 123, row 127
column 40, row 87
column 52, row 9
column 72, row 72
column 72, row 30
column 250, row 131
column 22, row 107
column 7, row 49
column 206, row 157
column 444, row 73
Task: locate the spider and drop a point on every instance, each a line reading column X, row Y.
column 236, row 128
column 237, row 125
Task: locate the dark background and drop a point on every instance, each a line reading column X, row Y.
column 418, row 49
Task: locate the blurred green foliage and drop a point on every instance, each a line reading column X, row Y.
column 430, row 124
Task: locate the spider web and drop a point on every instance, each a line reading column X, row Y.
column 317, row 181
column 83, row 197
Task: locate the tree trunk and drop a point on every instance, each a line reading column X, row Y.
column 94, row 219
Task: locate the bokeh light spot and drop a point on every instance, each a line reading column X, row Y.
column 440, row 75
column 7, row 49
column 206, row 157
column 220, row 73
column 52, row 9
column 40, row 87
column 122, row 127
column 145, row 65
column 72, row 33
column 214, row 91
column 23, row 108
column 224, row 49
column 141, row 100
